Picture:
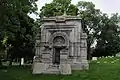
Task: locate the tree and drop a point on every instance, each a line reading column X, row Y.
column 91, row 21
column 15, row 24
column 108, row 40
column 9, row 22
column 57, row 8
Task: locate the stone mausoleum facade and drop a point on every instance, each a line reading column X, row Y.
column 60, row 46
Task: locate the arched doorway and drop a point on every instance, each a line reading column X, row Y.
column 58, row 43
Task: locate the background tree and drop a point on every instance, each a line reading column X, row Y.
column 58, row 8
column 16, row 25
column 108, row 39
column 91, row 18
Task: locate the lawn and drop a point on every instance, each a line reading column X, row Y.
column 102, row 69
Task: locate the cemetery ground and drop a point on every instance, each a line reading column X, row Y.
column 101, row 69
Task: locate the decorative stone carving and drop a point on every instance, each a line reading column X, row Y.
column 63, row 36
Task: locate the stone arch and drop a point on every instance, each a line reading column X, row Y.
column 59, row 40
column 60, row 34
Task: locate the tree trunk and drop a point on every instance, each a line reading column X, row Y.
column 0, row 63
column 20, row 62
column 88, row 52
column 11, row 60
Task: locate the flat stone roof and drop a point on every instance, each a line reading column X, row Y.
column 61, row 18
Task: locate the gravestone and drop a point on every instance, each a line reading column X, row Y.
column 94, row 58
column 60, row 43
column 118, row 54
column 22, row 61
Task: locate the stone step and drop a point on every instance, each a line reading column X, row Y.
column 51, row 72
column 52, row 69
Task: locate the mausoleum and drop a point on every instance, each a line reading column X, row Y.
column 60, row 46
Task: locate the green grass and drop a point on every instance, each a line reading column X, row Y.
column 97, row 71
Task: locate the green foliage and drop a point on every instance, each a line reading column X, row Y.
column 108, row 39
column 12, row 18
column 15, row 24
column 101, row 28
column 91, row 18
column 58, row 8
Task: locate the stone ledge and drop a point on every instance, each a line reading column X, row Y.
column 61, row 18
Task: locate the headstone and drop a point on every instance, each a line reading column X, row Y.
column 98, row 62
column 94, row 58
column 106, row 57
column 105, row 61
column 118, row 54
column 22, row 61
column 117, row 59
column 112, row 62
column 112, row 56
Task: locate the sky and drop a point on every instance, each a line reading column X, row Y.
column 106, row 6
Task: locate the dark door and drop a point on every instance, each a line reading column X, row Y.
column 57, row 56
